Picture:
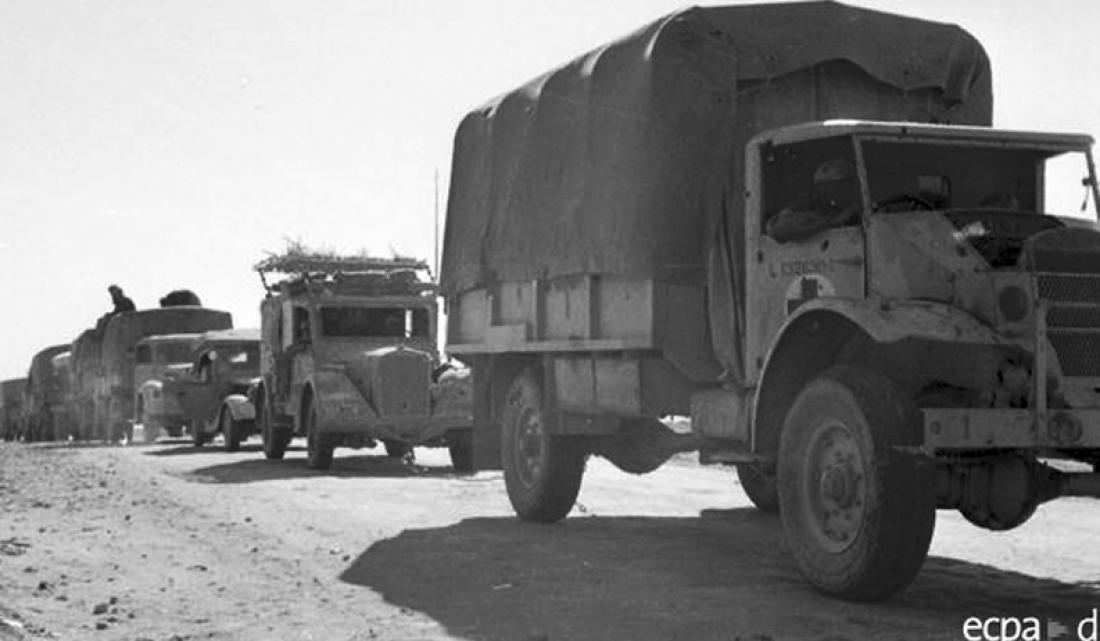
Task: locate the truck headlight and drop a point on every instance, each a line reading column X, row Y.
column 1013, row 303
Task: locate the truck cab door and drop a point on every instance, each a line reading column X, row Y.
column 802, row 244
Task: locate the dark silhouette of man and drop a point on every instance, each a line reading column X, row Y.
column 834, row 203
column 121, row 301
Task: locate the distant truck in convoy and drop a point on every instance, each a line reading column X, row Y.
column 156, row 358
column 871, row 318
column 213, row 393
column 349, row 357
column 105, row 357
column 46, row 417
column 11, row 408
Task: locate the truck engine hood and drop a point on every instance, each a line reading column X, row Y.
column 1000, row 237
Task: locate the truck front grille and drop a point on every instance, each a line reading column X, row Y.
column 1073, row 320
column 403, row 385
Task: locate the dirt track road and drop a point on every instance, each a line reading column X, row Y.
column 172, row 542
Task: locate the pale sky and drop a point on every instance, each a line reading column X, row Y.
column 164, row 144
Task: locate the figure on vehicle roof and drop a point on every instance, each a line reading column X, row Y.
column 121, row 301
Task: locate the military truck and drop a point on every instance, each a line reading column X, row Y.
column 349, row 356
column 44, row 406
column 213, row 394
column 656, row 229
column 11, row 408
column 113, row 395
column 157, row 358
column 84, row 367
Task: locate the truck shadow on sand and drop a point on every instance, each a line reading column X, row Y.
column 725, row 575
column 258, row 469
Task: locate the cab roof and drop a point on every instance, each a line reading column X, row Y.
column 901, row 131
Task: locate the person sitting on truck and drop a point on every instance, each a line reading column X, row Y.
column 121, row 301
column 834, row 203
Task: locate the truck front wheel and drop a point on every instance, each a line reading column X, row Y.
column 319, row 446
column 275, row 439
column 461, row 446
column 542, row 472
column 857, row 510
column 231, row 431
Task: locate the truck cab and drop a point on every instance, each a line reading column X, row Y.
column 212, row 392
column 349, row 357
column 157, row 358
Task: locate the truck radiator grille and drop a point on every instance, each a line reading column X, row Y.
column 402, row 386
column 1073, row 320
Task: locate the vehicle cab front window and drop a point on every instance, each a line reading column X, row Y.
column 809, row 187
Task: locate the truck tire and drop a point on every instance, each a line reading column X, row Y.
column 319, row 447
column 542, row 472
column 461, row 445
column 231, row 431
column 275, row 439
column 199, row 437
column 857, row 510
column 760, row 485
column 396, row 449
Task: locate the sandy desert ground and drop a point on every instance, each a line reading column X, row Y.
column 170, row 543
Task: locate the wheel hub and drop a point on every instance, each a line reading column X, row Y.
column 837, row 487
column 529, row 450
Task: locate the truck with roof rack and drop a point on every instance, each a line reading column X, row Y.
column 349, row 357
column 808, row 240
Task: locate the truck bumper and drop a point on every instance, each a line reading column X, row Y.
column 980, row 429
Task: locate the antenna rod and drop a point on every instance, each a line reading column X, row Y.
column 435, row 254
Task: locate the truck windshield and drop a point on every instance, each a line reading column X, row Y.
column 914, row 176
column 388, row 322
column 242, row 359
column 172, row 352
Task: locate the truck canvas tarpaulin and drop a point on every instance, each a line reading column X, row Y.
column 629, row 160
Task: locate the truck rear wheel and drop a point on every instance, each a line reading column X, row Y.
column 858, row 512
column 319, row 447
column 396, row 449
column 542, row 471
column 760, row 485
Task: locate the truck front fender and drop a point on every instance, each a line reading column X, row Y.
column 889, row 321
column 811, row 340
column 239, row 407
column 339, row 401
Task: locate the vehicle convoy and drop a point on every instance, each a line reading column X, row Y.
column 105, row 358
column 349, row 356
column 11, row 408
column 871, row 318
column 157, row 358
column 213, row 393
column 45, row 411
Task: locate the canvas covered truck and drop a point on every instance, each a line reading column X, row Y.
column 44, row 405
column 113, row 382
column 349, row 356
column 11, row 408
column 871, row 318
column 157, row 358
column 213, row 393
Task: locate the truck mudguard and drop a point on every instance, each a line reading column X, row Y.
column 239, row 407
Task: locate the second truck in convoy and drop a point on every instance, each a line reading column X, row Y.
column 872, row 318
column 349, row 357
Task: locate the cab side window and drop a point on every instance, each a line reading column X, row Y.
column 301, row 326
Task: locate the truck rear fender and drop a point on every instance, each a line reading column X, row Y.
column 815, row 337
